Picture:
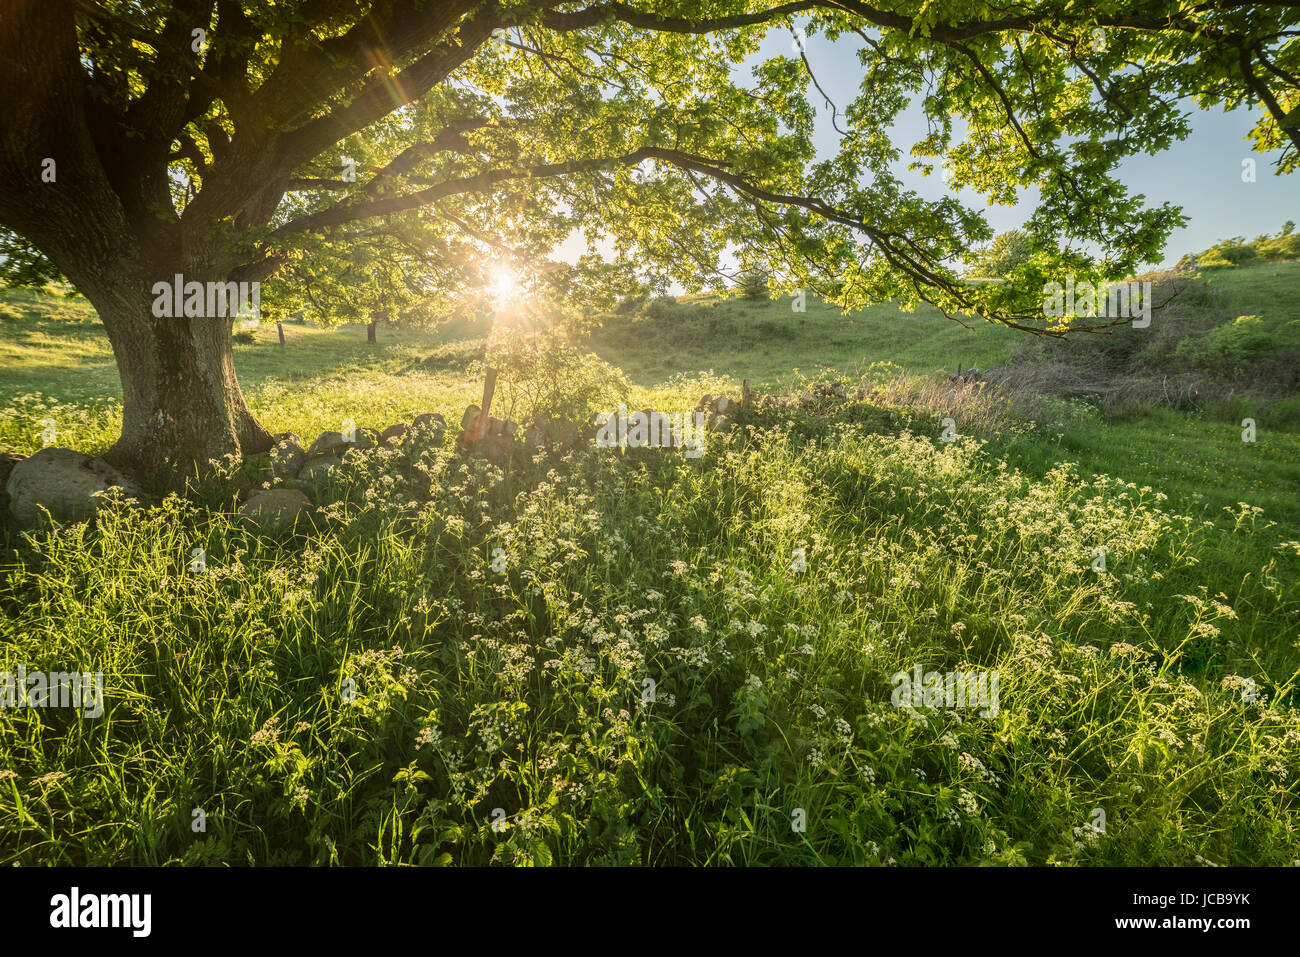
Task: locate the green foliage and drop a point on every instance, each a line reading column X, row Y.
column 1234, row 251
column 22, row 264
column 660, row 309
column 523, row 690
column 542, row 375
column 1008, row 251
column 1246, row 339
column 359, row 182
column 753, row 284
column 1283, row 247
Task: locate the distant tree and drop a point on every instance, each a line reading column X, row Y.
column 753, row 284
column 1236, row 251
column 1007, row 251
column 22, row 264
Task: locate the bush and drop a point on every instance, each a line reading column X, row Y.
column 1250, row 337
column 659, row 308
column 1281, row 249
column 630, row 305
column 1214, row 259
column 1238, row 343
column 1284, row 246
column 540, row 375
column 1236, row 252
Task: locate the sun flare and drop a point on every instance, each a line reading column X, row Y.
column 504, row 284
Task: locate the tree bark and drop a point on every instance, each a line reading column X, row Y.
column 182, row 407
column 370, row 332
column 279, row 327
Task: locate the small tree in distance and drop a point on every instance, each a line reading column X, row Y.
column 997, row 260
column 753, row 284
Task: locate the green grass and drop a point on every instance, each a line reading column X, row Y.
column 1199, row 461
column 227, row 691
column 765, row 340
column 320, row 378
column 374, row 690
column 1270, row 290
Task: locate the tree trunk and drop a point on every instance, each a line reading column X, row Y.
column 279, row 327
column 182, row 406
column 114, row 237
column 370, row 332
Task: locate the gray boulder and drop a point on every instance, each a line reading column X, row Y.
column 287, row 456
column 393, row 434
column 319, row 468
column 496, row 448
column 63, row 481
column 535, row 438
column 328, row 443
column 276, row 510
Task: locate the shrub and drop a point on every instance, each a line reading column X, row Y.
column 630, row 305
column 539, row 374
column 659, row 308
column 1236, row 252
column 1237, row 343
column 1214, row 259
column 1282, row 248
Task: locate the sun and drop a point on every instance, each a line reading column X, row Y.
column 504, row 284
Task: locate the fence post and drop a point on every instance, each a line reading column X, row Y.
column 489, row 387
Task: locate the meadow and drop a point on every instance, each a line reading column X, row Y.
column 681, row 661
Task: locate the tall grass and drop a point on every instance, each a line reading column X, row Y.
column 374, row 691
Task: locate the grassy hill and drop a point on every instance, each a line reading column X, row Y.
column 770, row 591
